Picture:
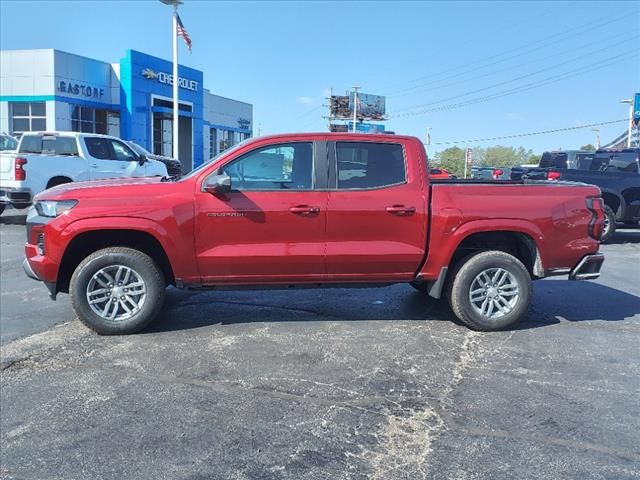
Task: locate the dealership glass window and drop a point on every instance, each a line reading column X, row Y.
column 88, row 120
column 213, row 142
column 28, row 117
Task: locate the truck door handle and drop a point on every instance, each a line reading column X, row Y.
column 401, row 210
column 304, row 210
column 94, row 165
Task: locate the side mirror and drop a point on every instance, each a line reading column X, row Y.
column 142, row 159
column 218, row 184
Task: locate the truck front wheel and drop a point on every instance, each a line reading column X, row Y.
column 117, row 290
column 490, row 291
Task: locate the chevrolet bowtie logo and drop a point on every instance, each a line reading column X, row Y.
column 149, row 74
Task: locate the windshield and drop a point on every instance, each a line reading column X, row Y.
column 138, row 149
column 553, row 160
column 229, row 151
column 8, row 143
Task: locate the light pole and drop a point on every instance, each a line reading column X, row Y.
column 355, row 106
column 597, row 130
column 630, row 102
column 175, row 80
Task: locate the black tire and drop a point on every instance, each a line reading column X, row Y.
column 609, row 227
column 2, row 207
column 142, row 266
column 464, row 277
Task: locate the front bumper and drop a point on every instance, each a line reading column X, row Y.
column 26, row 266
column 588, row 268
column 13, row 196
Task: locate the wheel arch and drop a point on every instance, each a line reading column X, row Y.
column 85, row 243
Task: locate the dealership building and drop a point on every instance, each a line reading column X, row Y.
column 47, row 90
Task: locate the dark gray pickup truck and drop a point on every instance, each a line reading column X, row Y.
column 617, row 173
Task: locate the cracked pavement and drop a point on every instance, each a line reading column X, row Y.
column 325, row 384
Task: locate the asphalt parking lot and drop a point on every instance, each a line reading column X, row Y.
column 323, row 384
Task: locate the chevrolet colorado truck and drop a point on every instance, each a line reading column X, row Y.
column 310, row 210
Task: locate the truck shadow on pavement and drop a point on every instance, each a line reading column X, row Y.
column 554, row 302
column 627, row 235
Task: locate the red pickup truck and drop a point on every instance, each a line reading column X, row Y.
column 310, row 210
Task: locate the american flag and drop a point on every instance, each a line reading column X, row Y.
column 182, row 32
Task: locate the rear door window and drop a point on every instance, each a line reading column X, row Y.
column 50, row 145
column 362, row 165
column 100, row 148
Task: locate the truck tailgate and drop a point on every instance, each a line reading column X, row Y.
column 6, row 165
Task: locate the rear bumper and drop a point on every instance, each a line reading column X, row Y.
column 21, row 196
column 588, row 268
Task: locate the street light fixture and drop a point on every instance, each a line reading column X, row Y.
column 174, row 80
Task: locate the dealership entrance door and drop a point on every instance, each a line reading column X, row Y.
column 163, row 134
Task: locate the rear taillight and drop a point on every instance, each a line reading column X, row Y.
column 553, row 175
column 20, row 173
column 497, row 173
column 596, row 225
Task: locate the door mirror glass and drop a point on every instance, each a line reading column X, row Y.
column 218, row 184
column 142, row 159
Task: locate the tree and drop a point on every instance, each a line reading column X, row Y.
column 588, row 147
column 452, row 160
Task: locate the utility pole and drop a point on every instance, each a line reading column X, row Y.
column 630, row 102
column 355, row 107
column 597, row 130
column 428, row 142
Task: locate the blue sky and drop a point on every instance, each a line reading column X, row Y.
column 468, row 70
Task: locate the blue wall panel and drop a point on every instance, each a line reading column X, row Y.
column 136, row 90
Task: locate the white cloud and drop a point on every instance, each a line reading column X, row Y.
column 305, row 100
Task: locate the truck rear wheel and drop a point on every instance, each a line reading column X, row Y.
column 609, row 226
column 2, row 207
column 490, row 291
column 117, row 290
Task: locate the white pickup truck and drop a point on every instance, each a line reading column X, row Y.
column 45, row 159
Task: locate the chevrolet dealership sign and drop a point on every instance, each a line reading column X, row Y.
column 167, row 79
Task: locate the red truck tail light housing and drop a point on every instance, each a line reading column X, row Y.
column 596, row 225
column 553, row 175
column 19, row 173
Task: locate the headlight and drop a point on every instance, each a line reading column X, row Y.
column 54, row 208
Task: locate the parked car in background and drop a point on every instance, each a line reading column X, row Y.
column 440, row 173
column 311, row 210
column 8, row 143
column 174, row 167
column 616, row 173
column 46, row 159
column 491, row 173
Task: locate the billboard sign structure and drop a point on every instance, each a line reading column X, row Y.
column 636, row 109
column 339, row 106
column 367, row 127
column 339, row 128
column 370, row 107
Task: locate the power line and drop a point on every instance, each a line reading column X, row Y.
column 624, row 36
column 531, row 74
column 529, row 134
column 547, row 41
column 522, row 88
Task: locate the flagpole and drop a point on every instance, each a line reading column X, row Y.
column 175, row 82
